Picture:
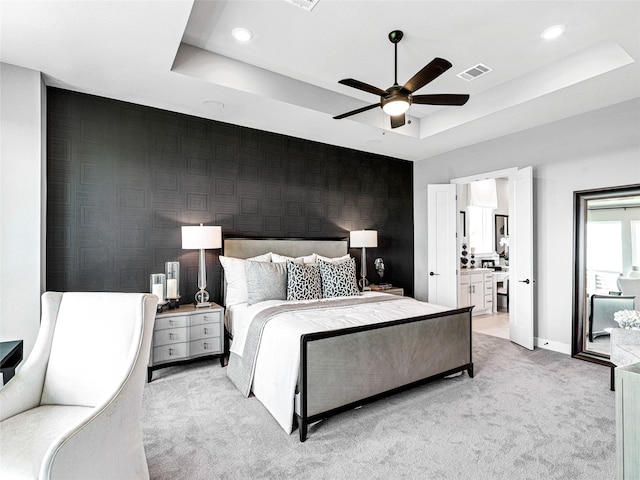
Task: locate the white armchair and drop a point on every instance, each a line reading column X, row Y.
column 73, row 410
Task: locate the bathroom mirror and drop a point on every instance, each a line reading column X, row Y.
column 606, row 239
column 501, row 231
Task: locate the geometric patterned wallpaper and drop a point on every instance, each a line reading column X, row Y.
column 122, row 179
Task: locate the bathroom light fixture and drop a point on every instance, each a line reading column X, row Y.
column 553, row 32
column 242, row 34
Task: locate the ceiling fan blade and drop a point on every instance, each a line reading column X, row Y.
column 430, row 72
column 350, row 82
column 355, row 112
column 397, row 120
column 440, row 99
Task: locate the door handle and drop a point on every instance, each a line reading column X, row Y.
column 432, row 274
column 527, row 281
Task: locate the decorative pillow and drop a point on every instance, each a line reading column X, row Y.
column 303, row 281
column 334, row 260
column 338, row 280
column 265, row 281
column 235, row 278
column 283, row 259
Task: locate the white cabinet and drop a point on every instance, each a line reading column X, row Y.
column 628, row 421
column 475, row 287
column 186, row 333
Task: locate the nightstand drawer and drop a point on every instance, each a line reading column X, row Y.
column 169, row 352
column 205, row 346
column 208, row 330
column 169, row 336
column 208, row 317
column 171, row 322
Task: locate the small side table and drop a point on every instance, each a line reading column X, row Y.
column 10, row 358
column 186, row 333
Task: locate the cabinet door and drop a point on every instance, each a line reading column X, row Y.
column 477, row 291
column 464, row 291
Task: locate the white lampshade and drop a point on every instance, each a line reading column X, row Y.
column 363, row 238
column 201, row 237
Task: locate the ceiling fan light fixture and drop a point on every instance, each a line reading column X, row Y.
column 395, row 107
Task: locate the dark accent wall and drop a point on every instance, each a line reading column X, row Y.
column 123, row 178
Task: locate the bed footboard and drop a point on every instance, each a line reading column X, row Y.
column 344, row 368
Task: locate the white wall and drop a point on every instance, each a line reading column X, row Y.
column 598, row 149
column 22, row 203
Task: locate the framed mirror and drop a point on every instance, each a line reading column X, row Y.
column 606, row 248
column 501, row 231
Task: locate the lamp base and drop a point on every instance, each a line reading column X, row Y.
column 203, row 305
column 363, row 283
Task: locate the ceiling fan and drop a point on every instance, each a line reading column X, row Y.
column 396, row 100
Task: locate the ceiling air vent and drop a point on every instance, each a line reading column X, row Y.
column 475, row 72
column 304, row 4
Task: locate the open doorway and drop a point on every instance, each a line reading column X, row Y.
column 494, row 274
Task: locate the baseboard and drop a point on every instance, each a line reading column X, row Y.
column 551, row 345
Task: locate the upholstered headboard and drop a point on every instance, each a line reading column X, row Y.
column 250, row 247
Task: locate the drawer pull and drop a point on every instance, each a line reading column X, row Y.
column 170, row 351
column 206, row 330
column 206, row 346
column 170, row 336
column 171, row 322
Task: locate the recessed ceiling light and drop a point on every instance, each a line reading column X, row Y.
column 553, row 32
column 242, row 34
column 213, row 104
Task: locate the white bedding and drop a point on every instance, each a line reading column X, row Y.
column 276, row 372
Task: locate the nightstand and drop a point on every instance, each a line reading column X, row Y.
column 186, row 333
column 392, row 290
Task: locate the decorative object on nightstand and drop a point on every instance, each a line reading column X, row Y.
column 379, row 264
column 158, row 287
column 363, row 239
column 201, row 238
column 388, row 288
column 172, row 271
column 185, row 334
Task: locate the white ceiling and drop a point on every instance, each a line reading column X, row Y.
column 180, row 56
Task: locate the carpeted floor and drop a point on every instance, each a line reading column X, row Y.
column 525, row 415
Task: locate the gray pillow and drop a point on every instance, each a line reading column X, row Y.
column 339, row 280
column 265, row 281
column 303, row 281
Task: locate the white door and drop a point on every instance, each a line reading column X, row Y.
column 441, row 244
column 521, row 281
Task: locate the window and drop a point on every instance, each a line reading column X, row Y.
column 481, row 229
column 604, row 246
column 635, row 242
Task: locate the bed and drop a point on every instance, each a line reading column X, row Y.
column 305, row 358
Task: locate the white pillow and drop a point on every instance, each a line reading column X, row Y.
column 283, row 258
column 335, row 260
column 236, row 279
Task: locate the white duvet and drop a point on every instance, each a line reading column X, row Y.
column 276, row 372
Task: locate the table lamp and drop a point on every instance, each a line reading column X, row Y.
column 363, row 239
column 200, row 238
